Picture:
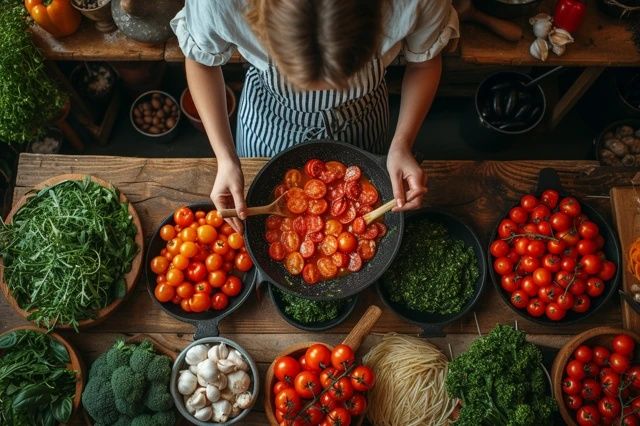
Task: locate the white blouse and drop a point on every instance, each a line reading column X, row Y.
column 209, row 31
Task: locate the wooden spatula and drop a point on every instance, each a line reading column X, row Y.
column 380, row 211
column 276, row 208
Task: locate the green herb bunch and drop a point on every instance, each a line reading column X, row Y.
column 501, row 382
column 36, row 388
column 432, row 273
column 29, row 98
column 66, row 252
column 307, row 311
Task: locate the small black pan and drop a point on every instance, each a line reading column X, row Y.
column 261, row 193
column 549, row 179
column 206, row 323
column 433, row 323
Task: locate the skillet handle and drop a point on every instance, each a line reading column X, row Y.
column 360, row 331
column 207, row 328
column 548, row 179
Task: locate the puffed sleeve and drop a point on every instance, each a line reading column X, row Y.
column 435, row 25
column 195, row 27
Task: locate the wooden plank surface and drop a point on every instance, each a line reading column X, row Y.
column 89, row 44
column 626, row 209
column 478, row 192
column 601, row 40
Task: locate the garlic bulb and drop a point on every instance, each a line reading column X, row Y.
column 218, row 352
column 208, row 371
column 198, row 399
column 193, row 369
column 542, row 24
column 221, row 411
column 226, row 366
column 239, row 382
column 204, row 414
column 221, row 382
column 559, row 40
column 187, row 383
column 196, row 354
column 539, row 49
column 213, row 393
column 236, row 358
column 244, row 400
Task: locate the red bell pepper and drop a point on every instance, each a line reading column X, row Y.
column 569, row 14
column 57, row 17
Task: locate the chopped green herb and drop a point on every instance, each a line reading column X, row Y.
column 432, row 273
column 307, row 311
column 66, row 252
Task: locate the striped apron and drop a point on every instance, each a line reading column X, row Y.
column 274, row 116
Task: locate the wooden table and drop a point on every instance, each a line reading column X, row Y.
column 476, row 191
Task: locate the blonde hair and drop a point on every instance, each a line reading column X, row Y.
column 315, row 41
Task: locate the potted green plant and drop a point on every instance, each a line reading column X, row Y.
column 29, row 98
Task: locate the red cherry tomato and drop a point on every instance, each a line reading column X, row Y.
column 565, row 301
column 307, row 384
column 536, row 307
column 510, row 282
column 288, row 401
column 623, row 344
column 341, row 390
column 588, row 230
column 498, row 248
column 528, row 202
column 342, row 357
column 219, row 301
column 554, row 312
column 571, row 386
column 582, row 304
column 286, row 369
column 356, row 405
column 518, row 215
column 183, row 216
column 588, row 415
column 590, row 390
column 610, row 383
column 362, row 378
column 502, row 265
column 519, row 299
column 550, row 198
column 318, row 357
column 570, row 206
column 619, row 363
column 591, row 264
column 574, row 402
column 575, row 369
column 609, row 407
column 583, row 353
column 608, row 270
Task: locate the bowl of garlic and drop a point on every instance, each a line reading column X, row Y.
column 214, row 382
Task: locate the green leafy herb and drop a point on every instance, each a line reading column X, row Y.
column 29, row 99
column 501, row 382
column 36, row 388
column 67, row 250
column 432, row 272
column 307, row 311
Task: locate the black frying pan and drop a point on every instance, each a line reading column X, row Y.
column 548, row 179
column 206, row 323
column 261, row 193
column 432, row 323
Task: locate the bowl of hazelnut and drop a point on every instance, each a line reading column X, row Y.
column 156, row 115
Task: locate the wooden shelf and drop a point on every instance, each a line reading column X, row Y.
column 89, row 44
column 601, row 41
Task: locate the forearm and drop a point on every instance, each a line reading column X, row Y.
column 419, row 87
column 208, row 92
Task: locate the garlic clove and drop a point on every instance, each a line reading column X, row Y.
column 539, row 49
column 187, row 383
column 560, row 37
column 221, row 382
column 244, row 400
column 221, row 411
column 218, row 352
column 213, row 393
column 226, row 366
column 198, row 399
column 239, row 382
column 196, row 354
column 204, row 414
column 208, row 371
column 540, row 17
column 227, row 395
column 558, row 50
column 238, row 360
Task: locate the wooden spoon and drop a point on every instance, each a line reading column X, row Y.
column 276, row 208
column 380, row 211
column 505, row 29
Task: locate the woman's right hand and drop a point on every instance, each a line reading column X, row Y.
column 228, row 191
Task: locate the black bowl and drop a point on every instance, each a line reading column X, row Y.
column 599, row 140
column 504, row 9
column 549, row 179
column 432, row 323
column 261, row 193
column 348, row 305
column 206, row 323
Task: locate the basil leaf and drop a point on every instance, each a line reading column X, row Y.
column 8, row 340
column 61, row 409
column 59, row 351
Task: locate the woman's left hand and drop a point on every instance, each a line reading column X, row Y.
column 408, row 179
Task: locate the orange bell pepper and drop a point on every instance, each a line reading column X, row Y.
column 57, row 17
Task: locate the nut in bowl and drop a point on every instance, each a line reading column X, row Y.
column 214, row 381
column 156, row 115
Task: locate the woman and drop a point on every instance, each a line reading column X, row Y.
column 317, row 71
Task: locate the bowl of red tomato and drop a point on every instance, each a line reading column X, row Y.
column 596, row 378
column 323, row 249
column 197, row 268
column 553, row 258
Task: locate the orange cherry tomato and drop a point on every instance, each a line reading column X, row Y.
column 203, row 287
column 174, row 245
column 184, row 304
column 174, row 277
column 213, row 218
column 230, row 255
column 180, row 262
column 176, row 300
column 185, row 290
column 233, row 286
column 236, row 241
column 293, row 178
column 167, row 232
column 227, row 229
column 219, row 301
column 221, row 247
column 188, row 249
column 243, row 262
column 161, row 279
column 332, row 227
column 347, row 242
column 188, row 234
column 207, row 234
column 194, row 226
column 217, row 278
column 168, row 256
column 164, row 292
column 159, row 265
column 213, row 262
column 199, row 302
column 183, row 216
column 294, row 262
column 200, row 214
column 202, row 221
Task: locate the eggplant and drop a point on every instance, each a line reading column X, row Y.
column 501, row 86
column 534, row 114
column 523, row 112
column 511, row 103
column 513, row 126
column 498, row 106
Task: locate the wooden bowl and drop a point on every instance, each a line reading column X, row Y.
column 76, row 363
column 354, row 339
column 131, row 278
column 160, row 349
column 596, row 336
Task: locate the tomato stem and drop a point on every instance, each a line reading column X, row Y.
column 530, row 235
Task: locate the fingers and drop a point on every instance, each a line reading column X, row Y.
column 414, row 189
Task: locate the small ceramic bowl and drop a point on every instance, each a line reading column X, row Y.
column 188, row 108
column 165, row 136
column 180, row 365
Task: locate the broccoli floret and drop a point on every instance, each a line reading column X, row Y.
column 127, row 384
column 123, row 420
column 99, row 367
column 523, row 415
column 118, row 355
column 159, row 370
column 158, row 397
column 99, row 402
column 129, row 408
column 141, row 356
column 165, row 418
column 143, row 420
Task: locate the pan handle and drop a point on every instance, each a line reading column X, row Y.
column 360, row 331
column 429, row 330
column 548, row 179
column 207, row 328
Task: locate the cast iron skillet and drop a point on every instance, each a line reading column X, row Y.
column 433, row 323
column 548, row 179
column 261, row 192
column 206, row 323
